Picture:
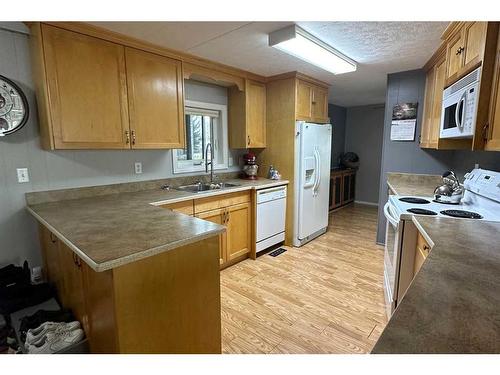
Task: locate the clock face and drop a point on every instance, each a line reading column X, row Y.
column 13, row 107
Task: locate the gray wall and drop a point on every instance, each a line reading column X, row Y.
column 337, row 116
column 408, row 156
column 364, row 134
column 62, row 169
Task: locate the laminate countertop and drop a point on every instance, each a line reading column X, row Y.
column 413, row 184
column 111, row 230
column 453, row 303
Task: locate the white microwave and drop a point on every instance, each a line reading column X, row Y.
column 458, row 115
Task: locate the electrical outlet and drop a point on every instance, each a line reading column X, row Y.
column 138, row 167
column 22, row 175
column 231, row 161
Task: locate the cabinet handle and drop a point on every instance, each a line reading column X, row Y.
column 227, row 217
column 127, row 137
column 248, row 140
column 426, row 248
column 53, row 238
column 485, row 132
column 133, row 137
column 459, row 51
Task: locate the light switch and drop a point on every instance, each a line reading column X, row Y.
column 22, row 175
column 138, row 167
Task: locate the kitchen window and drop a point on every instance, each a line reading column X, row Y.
column 205, row 123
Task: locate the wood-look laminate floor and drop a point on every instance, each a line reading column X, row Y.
column 325, row 297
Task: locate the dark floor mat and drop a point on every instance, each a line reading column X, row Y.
column 277, row 252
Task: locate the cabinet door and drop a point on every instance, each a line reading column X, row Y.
column 475, row 38
column 51, row 261
column 428, row 105
column 256, row 114
column 156, row 100
column 304, row 101
column 454, row 55
column 218, row 217
column 73, row 295
column 338, row 191
column 238, row 230
column 493, row 133
column 319, row 104
column 87, row 90
column 435, row 123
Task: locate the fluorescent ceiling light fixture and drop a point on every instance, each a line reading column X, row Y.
column 307, row 47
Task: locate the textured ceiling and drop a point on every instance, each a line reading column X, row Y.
column 378, row 47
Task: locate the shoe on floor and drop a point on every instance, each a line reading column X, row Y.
column 36, row 334
column 54, row 342
column 42, row 316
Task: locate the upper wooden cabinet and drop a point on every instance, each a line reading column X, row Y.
column 247, row 116
column 465, row 48
column 311, row 102
column 156, row 100
column 492, row 131
column 96, row 94
column 86, row 90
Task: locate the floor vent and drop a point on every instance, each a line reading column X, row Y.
column 277, row 252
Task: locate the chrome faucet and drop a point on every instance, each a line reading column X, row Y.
column 211, row 162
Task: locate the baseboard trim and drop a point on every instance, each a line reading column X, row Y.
column 367, row 203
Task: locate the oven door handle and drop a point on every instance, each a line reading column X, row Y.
column 389, row 217
column 461, row 104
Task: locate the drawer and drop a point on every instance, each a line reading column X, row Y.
column 185, row 207
column 221, row 201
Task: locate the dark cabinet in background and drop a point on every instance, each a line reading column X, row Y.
column 342, row 187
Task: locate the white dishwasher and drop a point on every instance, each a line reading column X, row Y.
column 271, row 216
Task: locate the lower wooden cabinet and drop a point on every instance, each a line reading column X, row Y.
column 217, row 216
column 239, row 225
column 421, row 252
column 342, row 187
column 167, row 303
column 234, row 211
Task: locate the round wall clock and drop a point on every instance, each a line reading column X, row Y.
column 14, row 109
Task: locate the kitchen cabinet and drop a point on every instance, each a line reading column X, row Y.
column 218, row 216
column 422, row 250
column 174, row 296
column 492, row 130
column 342, row 187
column 86, row 90
column 234, row 211
column 156, row 100
column 465, row 48
column 312, row 102
column 97, row 94
column 247, row 115
column 239, row 229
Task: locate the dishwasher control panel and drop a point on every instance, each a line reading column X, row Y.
column 266, row 195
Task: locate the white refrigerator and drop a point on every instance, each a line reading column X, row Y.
column 312, row 180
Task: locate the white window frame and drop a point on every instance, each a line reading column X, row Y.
column 222, row 141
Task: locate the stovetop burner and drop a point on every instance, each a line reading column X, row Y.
column 414, row 200
column 421, row 211
column 462, row 214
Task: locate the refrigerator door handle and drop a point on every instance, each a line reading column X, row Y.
column 317, row 158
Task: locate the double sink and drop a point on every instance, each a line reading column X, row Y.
column 201, row 187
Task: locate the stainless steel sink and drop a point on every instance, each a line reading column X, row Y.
column 201, row 187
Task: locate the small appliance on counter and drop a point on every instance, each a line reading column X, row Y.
column 250, row 168
column 349, row 160
column 451, row 192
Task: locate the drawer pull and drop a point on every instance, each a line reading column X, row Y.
column 53, row 238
